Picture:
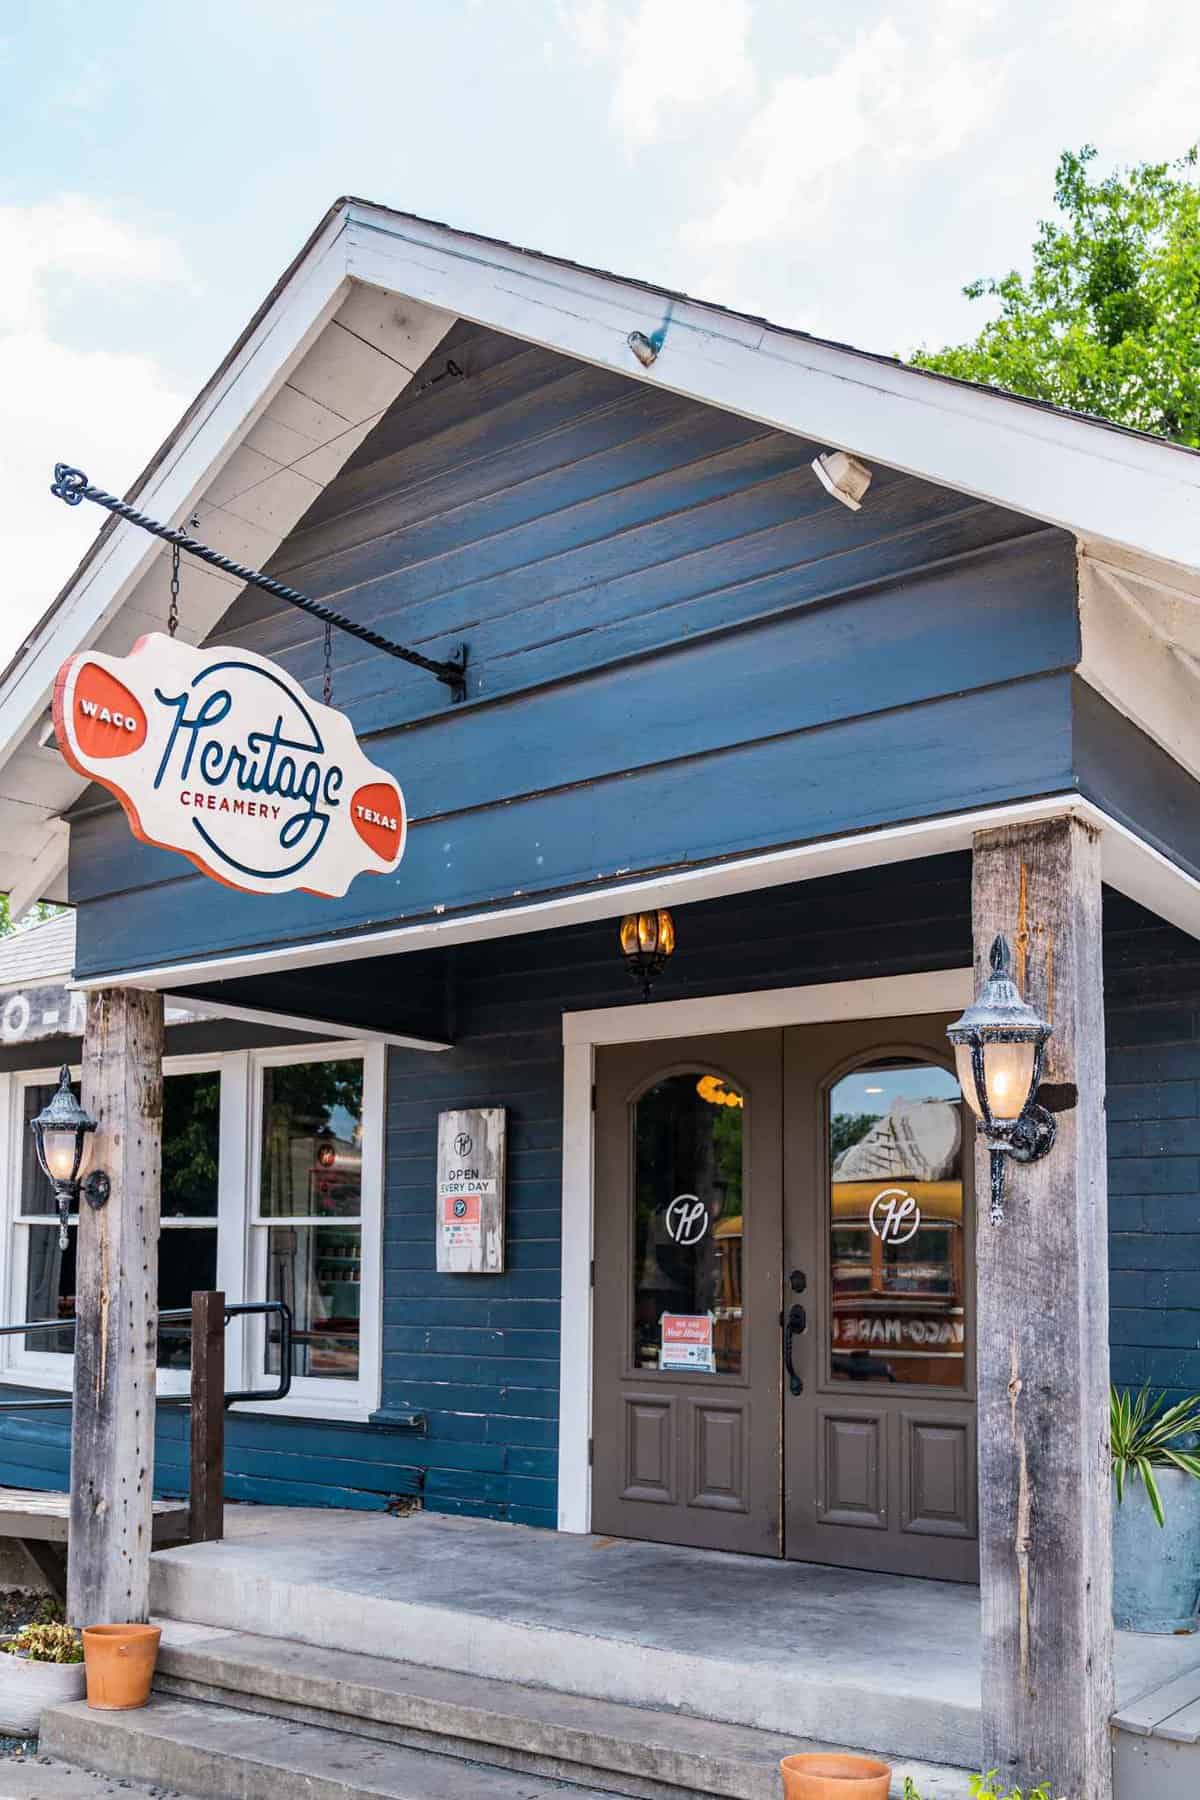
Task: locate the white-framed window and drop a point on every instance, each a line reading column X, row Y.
column 272, row 1189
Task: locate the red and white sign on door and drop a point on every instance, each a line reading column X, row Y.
column 220, row 755
column 687, row 1342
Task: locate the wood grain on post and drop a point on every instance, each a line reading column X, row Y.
column 207, row 1511
column 116, row 1299
column 1044, row 1473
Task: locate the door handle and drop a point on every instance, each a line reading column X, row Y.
column 797, row 1321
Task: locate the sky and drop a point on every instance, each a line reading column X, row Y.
column 842, row 169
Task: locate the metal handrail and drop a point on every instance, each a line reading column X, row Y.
column 233, row 1309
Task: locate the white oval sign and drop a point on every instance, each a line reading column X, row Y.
column 220, row 755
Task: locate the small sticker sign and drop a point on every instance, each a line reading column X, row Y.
column 687, row 1342
column 462, row 1217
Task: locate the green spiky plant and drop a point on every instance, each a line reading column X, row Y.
column 1147, row 1435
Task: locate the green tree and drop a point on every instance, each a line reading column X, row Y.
column 1108, row 321
column 43, row 910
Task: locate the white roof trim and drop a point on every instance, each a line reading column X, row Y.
column 1086, row 476
column 1129, row 864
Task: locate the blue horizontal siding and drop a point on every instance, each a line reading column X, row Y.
column 680, row 648
column 480, row 1356
column 1152, row 986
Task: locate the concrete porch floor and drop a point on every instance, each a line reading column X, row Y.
column 879, row 1661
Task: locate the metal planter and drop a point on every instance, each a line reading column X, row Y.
column 1156, row 1570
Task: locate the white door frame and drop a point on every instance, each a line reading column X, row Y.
column 884, row 997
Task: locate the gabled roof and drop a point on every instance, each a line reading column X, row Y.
column 368, row 299
column 38, row 954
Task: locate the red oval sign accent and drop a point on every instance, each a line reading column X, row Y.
column 106, row 719
column 378, row 817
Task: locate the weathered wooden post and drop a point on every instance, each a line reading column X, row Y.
column 1044, row 1475
column 207, row 1490
column 112, row 1425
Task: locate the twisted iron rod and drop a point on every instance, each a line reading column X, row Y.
column 72, row 485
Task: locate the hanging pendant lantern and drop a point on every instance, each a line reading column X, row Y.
column 647, row 944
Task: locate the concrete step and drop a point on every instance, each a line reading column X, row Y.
column 800, row 1652
column 1157, row 1742
column 641, row 1752
column 223, row 1753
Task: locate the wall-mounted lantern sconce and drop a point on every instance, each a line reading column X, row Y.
column 999, row 1044
column 843, row 476
column 647, row 943
column 62, row 1135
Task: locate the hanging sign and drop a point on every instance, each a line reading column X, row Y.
column 470, row 1191
column 687, row 1342
column 220, row 755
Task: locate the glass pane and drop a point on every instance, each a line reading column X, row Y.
column 317, row 1269
column 897, row 1262
column 687, row 1201
column 312, row 1140
column 191, row 1122
column 37, row 1196
column 187, row 1260
column 49, row 1288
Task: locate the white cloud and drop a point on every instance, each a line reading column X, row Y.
column 670, row 55
column 103, row 408
column 897, row 96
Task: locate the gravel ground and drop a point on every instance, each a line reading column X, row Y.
column 43, row 1778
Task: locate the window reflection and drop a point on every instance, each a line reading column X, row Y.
column 897, row 1260
column 311, row 1176
column 688, row 1222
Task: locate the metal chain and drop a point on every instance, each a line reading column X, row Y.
column 173, row 610
column 327, row 685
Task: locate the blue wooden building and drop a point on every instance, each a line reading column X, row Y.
column 708, row 670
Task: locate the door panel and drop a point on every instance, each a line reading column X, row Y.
column 687, row 1239
column 879, row 1447
column 851, row 1475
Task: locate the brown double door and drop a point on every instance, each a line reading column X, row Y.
column 784, row 1304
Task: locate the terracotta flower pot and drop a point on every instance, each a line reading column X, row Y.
column 831, row 1776
column 120, row 1663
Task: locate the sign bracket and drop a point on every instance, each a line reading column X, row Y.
column 73, row 486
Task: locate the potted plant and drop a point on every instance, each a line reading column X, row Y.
column 1156, row 1522
column 41, row 1666
column 120, row 1663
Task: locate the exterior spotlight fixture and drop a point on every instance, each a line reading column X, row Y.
column 647, row 943
column 843, row 476
column 999, row 1044
column 61, row 1134
column 645, row 348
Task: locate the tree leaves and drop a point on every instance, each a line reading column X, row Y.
column 1108, row 319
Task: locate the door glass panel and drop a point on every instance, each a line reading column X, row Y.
column 687, row 1225
column 897, row 1258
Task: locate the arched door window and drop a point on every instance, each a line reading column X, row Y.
column 688, row 1225
column 897, row 1263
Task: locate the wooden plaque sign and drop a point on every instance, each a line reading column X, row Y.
column 470, row 1191
column 220, row 755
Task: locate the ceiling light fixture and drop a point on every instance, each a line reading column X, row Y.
column 843, row 476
